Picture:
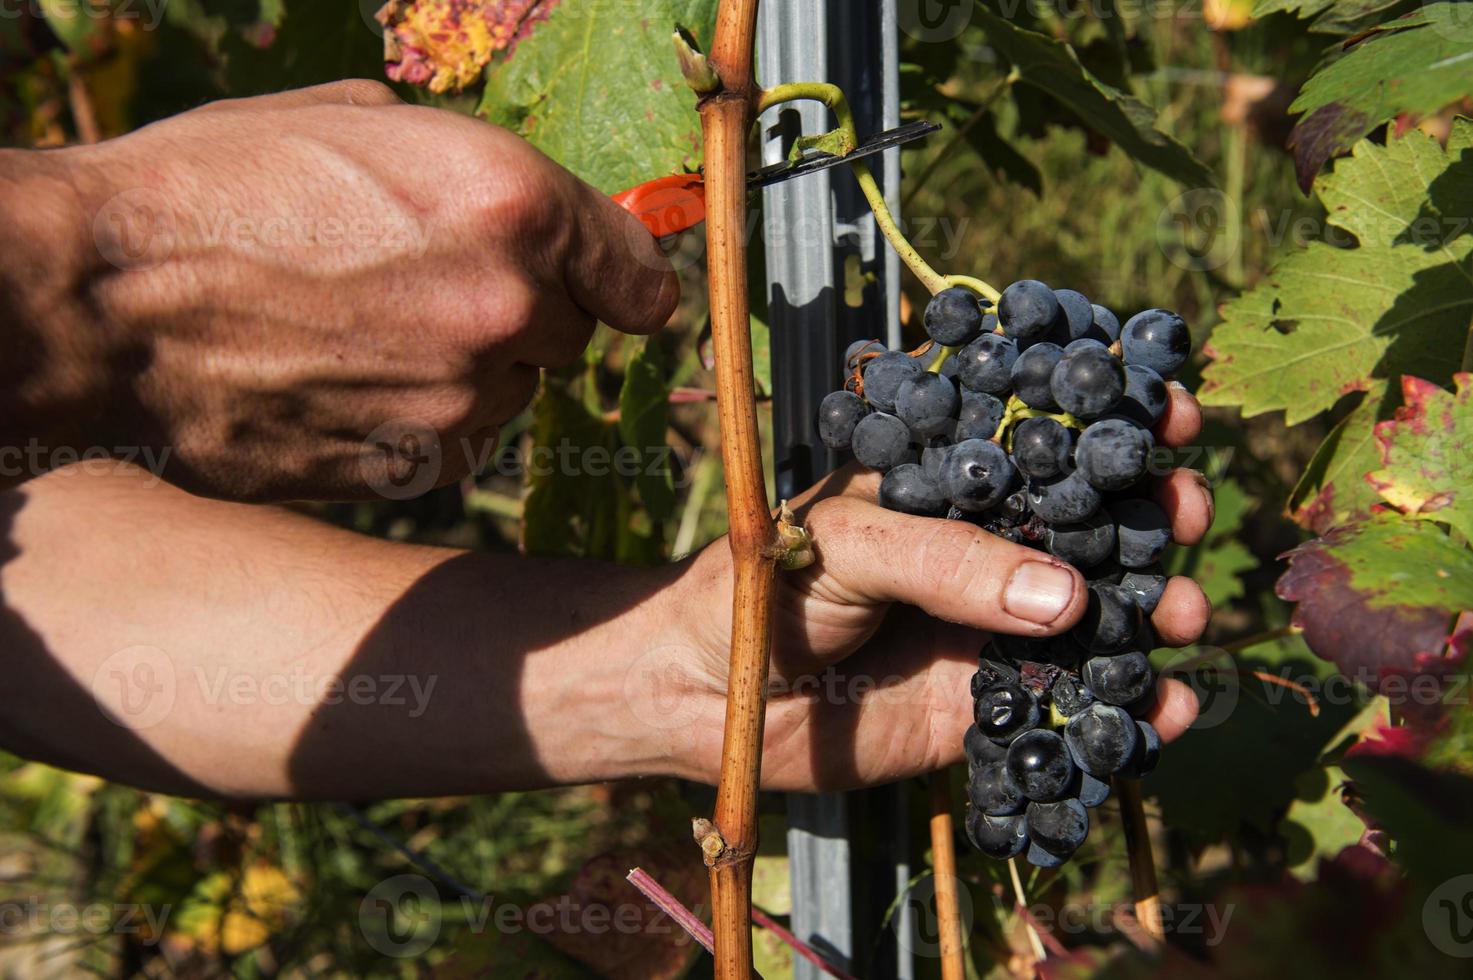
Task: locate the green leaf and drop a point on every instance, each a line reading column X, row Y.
column 1426, row 812
column 1328, row 321
column 644, row 413
column 1219, row 561
column 1416, row 69
column 1333, row 488
column 572, row 507
column 1052, row 66
column 597, row 87
column 1428, row 471
column 1319, row 824
column 1380, row 595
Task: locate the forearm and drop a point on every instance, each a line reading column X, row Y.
column 264, row 654
column 60, row 365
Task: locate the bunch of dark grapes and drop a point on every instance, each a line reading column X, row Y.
column 1034, row 422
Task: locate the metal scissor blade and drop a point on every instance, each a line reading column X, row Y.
column 778, row 172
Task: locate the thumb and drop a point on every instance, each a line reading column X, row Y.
column 951, row 569
column 614, row 268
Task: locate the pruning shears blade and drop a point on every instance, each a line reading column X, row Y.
column 669, row 205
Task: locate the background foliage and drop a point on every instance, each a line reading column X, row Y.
column 1146, row 154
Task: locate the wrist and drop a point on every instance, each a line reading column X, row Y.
column 57, row 391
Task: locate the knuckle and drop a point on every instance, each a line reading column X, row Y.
column 364, row 91
column 951, row 559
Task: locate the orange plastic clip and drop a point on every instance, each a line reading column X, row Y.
column 666, row 205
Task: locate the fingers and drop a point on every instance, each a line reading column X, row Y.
column 349, row 91
column 1187, row 500
column 1181, row 423
column 1174, row 711
column 951, row 569
column 1182, row 614
column 614, row 268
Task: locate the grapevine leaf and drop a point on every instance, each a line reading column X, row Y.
column 600, row 91
column 1219, row 561
column 1379, row 596
column 570, row 509
column 444, row 45
column 1427, row 812
column 1052, row 66
column 1333, row 488
column 1427, row 471
column 1303, row 9
column 1001, row 158
column 644, row 412
column 1328, row 321
column 1319, row 824
column 1414, row 69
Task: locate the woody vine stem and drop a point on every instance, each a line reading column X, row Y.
column 730, row 100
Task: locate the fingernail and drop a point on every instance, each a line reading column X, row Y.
column 1038, row 592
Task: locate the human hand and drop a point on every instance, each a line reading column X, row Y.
column 900, row 701
column 301, row 288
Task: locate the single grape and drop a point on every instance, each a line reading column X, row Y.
column 907, row 489
column 1029, row 312
column 1145, row 395
column 1041, row 448
column 997, row 837
column 1088, row 380
column 992, row 672
column 838, row 414
column 979, row 416
column 953, row 317
column 1083, row 544
column 1106, row 327
column 1040, row 858
column 884, row 375
column 1092, row 791
column 976, row 474
column 927, row 403
column 1012, row 510
column 856, row 351
column 1145, row 586
column 980, row 749
column 1144, row 531
column 1038, row 761
column 1079, row 315
column 932, row 456
column 1058, row 827
column 882, row 442
column 992, row 790
column 1147, row 751
column 1101, row 739
column 1032, row 374
column 1070, row 695
column 1157, row 339
column 1109, row 623
column 1123, row 679
column 1113, row 453
column 949, row 370
column 1004, row 712
column 1066, row 500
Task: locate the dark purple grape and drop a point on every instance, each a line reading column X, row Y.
column 1123, row 679
column 980, row 749
column 953, row 317
column 1039, row 763
column 1040, row 858
column 932, row 456
column 857, row 350
column 882, row 442
column 1109, row 624
column 1113, row 453
column 1041, row 448
column 1157, row 339
column 986, row 364
column 1079, row 315
column 907, row 489
column 838, row 414
column 884, row 375
column 928, row 403
column 979, row 416
column 1144, row 531
column 976, row 474
column 992, row 790
column 1145, row 395
column 1032, row 374
column 1145, row 586
column 1029, row 312
column 1058, row 827
column 990, row 673
column 1066, row 500
column 1092, row 791
column 1005, row 711
column 997, row 837
column 1070, row 695
column 1086, row 543
column 1088, row 380
column 1101, row 739
column 1106, row 327
column 1147, row 751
